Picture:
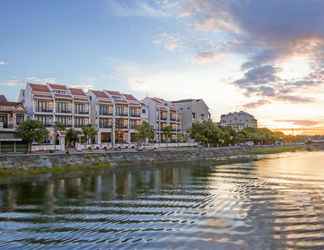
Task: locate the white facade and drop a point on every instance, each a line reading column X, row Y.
column 51, row 103
column 238, row 120
column 115, row 116
column 162, row 113
column 192, row 110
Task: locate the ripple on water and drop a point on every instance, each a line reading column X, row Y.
column 269, row 204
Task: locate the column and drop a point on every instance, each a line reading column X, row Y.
column 99, row 137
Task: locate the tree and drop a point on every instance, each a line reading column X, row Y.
column 89, row 132
column 71, row 137
column 144, row 132
column 167, row 132
column 58, row 127
column 32, row 130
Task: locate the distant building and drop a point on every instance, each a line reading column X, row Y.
column 11, row 115
column 238, row 120
column 192, row 110
column 162, row 113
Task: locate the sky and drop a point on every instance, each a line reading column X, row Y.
column 263, row 57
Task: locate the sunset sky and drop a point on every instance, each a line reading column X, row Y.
column 264, row 57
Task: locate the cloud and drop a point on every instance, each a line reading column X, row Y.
column 256, row 104
column 207, row 57
column 168, row 41
column 12, row 82
column 3, row 62
column 294, row 99
column 306, row 123
column 282, row 42
column 141, row 8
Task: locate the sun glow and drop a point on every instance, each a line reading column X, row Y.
column 296, row 67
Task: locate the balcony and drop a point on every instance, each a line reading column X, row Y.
column 44, row 110
column 121, row 114
column 105, row 125
column 134, row 126
column 105, row 113
column 119, row 126
column 81, row 112
column 64, row 111
column 135, row 114
column 163, row 118
column 173, row 119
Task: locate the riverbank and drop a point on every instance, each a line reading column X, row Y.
column 26, row 164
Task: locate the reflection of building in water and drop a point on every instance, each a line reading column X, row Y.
column 49, row 198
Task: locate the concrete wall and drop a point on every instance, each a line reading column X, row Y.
column 166, row 155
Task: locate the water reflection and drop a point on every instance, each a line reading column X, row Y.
column 269, row 204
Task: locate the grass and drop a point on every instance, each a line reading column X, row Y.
column 56, row 170
column 276, row 150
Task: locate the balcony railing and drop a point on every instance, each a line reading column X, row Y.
column 163, row 118
column 105, row 125
column 64, row 111
column 174, row 119
column 135, row 114
column 44, row 110
column 121, row 126
column 105, row 113
column 81, row 112
column 121, row 113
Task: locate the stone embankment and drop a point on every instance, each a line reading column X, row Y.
column 137, row 157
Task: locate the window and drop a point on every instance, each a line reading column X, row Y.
column 193, row 115
column 143, row 111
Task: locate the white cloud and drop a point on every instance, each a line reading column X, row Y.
column 168, row 41
column 3, row 62
column 191, row 81
column 157, row 8
column 12, row 82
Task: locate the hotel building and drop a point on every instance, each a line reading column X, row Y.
column 51, row 103
column 115, row 115
column 162, row 113
column 238, row 120
column 192, row 110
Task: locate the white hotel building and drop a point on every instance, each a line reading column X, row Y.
column 115, row 115
column 162, row 113
column 51, row 103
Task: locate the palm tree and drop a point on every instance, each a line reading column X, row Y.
column 71, row 137
column 89, row 132
column 167, row 132
column 58, row 127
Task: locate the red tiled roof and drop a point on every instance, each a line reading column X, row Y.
column 57, row 86
column 130, row 97
column 113, row 92
column 3, row 98
column 39, row 87
column 76, row 91
column 15, row 104
column 100, row 94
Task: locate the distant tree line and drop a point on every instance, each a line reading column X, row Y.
column 210, row 133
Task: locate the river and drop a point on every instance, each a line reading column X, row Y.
column 273, row 203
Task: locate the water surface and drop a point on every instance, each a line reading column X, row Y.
column 268, row 204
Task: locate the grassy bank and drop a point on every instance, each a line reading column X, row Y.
column 277, row 150
column 56, row 170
